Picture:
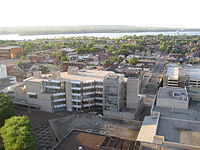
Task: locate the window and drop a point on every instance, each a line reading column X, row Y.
column 33, row 96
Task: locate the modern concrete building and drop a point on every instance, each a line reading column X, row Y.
column 9, row 52
column 120, row 96
column 171, row 129
column 72, row 91
column 173, row 97
column 113, row 92
column 83, row 91
column 184, row 76
column 133, row 87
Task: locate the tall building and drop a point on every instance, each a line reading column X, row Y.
column 113, row 92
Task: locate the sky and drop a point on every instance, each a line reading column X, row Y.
column 151, row 13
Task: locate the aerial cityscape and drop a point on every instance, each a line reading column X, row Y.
column 82, row 80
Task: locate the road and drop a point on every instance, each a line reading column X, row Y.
column 151, row 87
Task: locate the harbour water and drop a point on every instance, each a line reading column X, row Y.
column 110, row 35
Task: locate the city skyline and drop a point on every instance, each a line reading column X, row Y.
column 155, row 13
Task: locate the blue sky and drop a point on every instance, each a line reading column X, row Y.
column 154, row 13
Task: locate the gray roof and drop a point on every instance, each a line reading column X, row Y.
column 6, row 82
column 173, row 93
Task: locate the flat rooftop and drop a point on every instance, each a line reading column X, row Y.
column 173, row 93
column 9, row 47
column 88, row 75
column 6, row 82
column 173, row 72
column 77, row 138
column 93, row 123
column 148, row 129
column 92, row 141
column 179, row 131
column 193, row 72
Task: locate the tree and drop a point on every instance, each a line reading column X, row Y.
column 133, row 61
column 17, row 134
column 64, row 59
column 6, row 109
column 120, row 59
column 106, row 63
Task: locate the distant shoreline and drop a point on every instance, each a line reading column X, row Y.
column 49, row 30
column 52, row 33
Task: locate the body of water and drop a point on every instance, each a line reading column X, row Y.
column 110, row 35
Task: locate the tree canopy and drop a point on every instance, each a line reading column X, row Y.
column 6, row 109
column 17, row 134
column 133, row 61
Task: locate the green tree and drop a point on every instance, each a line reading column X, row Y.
column 106, row 63
column 120, row 59
column 133, row 61
column 64, row 59
column 17, row 134
column 6, row 109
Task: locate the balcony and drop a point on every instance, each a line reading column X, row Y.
column 53, row 87
column 75, row 88
column 76, row 94
column 75, row 82
column 99, row 92
column 88, row 99
column 59, row 106
column 76, row 100
column 88, row 87
column 88, row 93
column 52, row 81
column 99, row 86
column 76, row 106
column 59, row 100
column 59, row 94
column 99, row 98
column 88, row 105
column 99, row 104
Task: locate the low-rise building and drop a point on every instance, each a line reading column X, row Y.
column 184, row 76
column 9, row 52
column 82, row 91
column 66, row 91
column 171, row 129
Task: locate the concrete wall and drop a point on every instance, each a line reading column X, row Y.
column 133, row 86
column 68, row 96
column 172, row 103
column 34, row 87
column 20, row 92
column 121, row 115
column 44, row 101
column 3, row 71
